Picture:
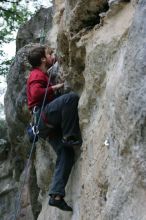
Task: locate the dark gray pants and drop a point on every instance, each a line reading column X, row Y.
column 64, row 163
column 62, row 113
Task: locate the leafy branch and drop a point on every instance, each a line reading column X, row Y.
column 13, row 14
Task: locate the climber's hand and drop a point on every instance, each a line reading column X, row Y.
column 58, row 86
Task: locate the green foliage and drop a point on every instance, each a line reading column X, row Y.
column 12, row 14
column 5, row 66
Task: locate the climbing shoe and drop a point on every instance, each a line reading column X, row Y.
column 61, row 204
column 71, row 141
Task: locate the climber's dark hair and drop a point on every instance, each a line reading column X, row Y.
column 36, row 54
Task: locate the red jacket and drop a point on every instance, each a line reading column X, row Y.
column 36, row 87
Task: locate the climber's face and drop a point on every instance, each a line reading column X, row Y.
column 50, row 57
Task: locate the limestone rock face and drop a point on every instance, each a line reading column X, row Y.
column 8, row 187
column 76, row 19
column 36, row 29
column 101, row 46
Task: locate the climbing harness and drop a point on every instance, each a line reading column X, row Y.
column 34, row 138
column 32, row 128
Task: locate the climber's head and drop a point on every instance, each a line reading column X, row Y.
column 41, row 55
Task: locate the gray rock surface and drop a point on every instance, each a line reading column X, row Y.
column 8, row 188
column 36, row 29
column 83, row 14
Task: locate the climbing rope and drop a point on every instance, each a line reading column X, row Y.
column 18, row 207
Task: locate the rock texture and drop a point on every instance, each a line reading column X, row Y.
column 36, row 29
column 8, row 187
column 102, row 53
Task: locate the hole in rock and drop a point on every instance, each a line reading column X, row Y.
column 94, row 18
column 87, row 15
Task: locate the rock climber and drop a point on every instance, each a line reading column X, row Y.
column 59, row 121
